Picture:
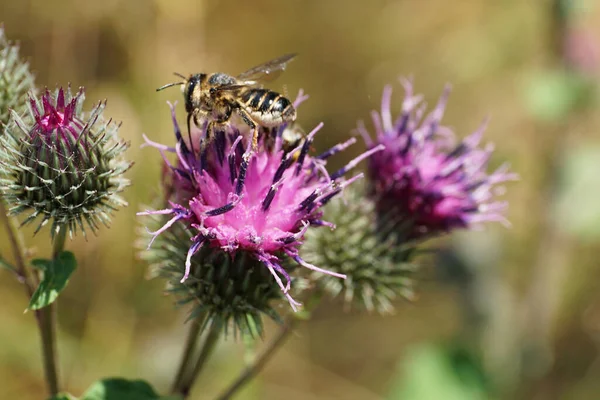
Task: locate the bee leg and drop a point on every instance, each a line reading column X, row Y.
column 199, row 118
column 206, row 140
column 239, row 187
column 191, row 116
column 210, row 133
column 250, row 122
column 252, row 147
column 210, row 130
column 269, row 136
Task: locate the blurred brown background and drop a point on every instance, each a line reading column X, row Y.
column 524, row 302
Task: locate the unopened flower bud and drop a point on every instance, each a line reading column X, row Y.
column 63, row 165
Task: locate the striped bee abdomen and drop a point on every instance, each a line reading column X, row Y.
column 253, row 98
column 268, row 107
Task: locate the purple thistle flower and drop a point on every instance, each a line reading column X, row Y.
column 261, row 207
column 425, row 176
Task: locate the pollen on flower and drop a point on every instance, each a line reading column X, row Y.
column 261, row 206
column 427, row 177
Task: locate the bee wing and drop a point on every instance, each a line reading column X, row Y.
column 231, row 88
column 267, row 71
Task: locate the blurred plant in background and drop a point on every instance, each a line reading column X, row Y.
column 520, row 335
column 15, row 80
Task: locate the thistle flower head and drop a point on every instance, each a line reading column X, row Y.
column 62, row 164
column 257, row 206
column 425, row 176
column 237, row 289
column 15, row 79
column 379, row 266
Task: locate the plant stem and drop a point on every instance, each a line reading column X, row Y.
column 46, row 322
column 259, row 362
column 313, row 300
column 190, row 345
column 47, row 317
column 59, row 242
column 18, row 247
column 212, row 337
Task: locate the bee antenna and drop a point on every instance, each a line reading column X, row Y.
column 179, row 75
column 168, row 85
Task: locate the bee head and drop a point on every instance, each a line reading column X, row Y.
column 191, row 88
column 192, row 91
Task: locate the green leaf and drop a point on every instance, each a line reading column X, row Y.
column 123, row 389
column 56, row 275
column 63, row 396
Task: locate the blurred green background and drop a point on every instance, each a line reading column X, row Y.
column 501, row 313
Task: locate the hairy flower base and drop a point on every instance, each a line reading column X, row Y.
column 237, row 290
column 426, row 177
column 372, row 252
column 261, row 205
column 63, row 165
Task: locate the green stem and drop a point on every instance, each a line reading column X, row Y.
column 190, row 345
column 18, row 247
column 46, row 317
column 214, row 333
column 48, row 325
column 59, row 242
column 43, row 317
column 259, row 362
column 313, row 299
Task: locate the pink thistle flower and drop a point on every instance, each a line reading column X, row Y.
column 261, row 205
column 425, row 176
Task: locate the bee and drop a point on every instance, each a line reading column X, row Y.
column 217, row 97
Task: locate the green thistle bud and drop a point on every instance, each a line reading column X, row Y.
column 62, row 164
column 236, row 290
column 371, row 251
column 15, row 80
